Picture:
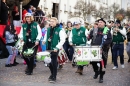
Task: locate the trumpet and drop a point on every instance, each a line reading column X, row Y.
column 128, row 30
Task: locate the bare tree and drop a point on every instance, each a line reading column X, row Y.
column 100, row 13
column 114, row 8
column 82, row 9
column 128, row 14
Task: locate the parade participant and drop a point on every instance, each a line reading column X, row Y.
column 102, row 39
column 10, row 42
column 31, row 34
column 78, row 37
column 68, row 49
column 54, row 39
column 111, row 28
column 119, row 34
column 128, row 44
column 44, row 27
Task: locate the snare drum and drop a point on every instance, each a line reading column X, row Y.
column 79, row 55
column 42, row 55
column 84, row 54
column 62, row 57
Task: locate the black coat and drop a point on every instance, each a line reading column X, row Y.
column 4, row 12
column 99, row 36
column 15, row 17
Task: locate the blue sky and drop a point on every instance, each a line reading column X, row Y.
column 125, row 3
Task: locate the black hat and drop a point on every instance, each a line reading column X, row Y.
column 118, row 21
column 102, row 20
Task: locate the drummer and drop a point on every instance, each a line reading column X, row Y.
column 54, row 39
column 78, row 37
column 31, row 34
column 102, row 39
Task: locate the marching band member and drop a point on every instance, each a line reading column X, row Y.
column 119, row 34
column 68, row 49
column 31, row 34
column 102, row 39
column 54, row 39
column 78, row 37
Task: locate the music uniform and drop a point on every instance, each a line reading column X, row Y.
column 30, row 33
column 78, row 37
column 54, row 39
column 104, row 40
column 118, row 43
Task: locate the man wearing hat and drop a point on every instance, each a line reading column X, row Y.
column 31, row 34
column 78, row 37
column 119, row 34
column 102, row 38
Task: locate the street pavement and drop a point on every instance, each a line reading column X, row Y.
column 14, row 76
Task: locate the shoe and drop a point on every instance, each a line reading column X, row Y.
column 16, row 63
column 26, row 70
column 101, row 80
column 34, row 65
column 96, row 75
column 129, row 60
column 78, row 71
column 122, row 66
column 8, row 65
column 60, row 66
column 29, row 73
column 50, row 78
column 73, row 65
column 101, row 77
column 53, row 80
column 115, row 68
column 81, row 72
column 13, row 64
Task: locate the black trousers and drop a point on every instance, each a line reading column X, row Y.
column 53, row 64
column 104, row 57
column 80, row 67
column 112, row 51
column 69, row 50
column 30, row 60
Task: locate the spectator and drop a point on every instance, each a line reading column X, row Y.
column 16, row 17
column 39, row 15
column 4, row 13
column 44, row 27
column 30, row 9
column 23, row 14
column 10, row 42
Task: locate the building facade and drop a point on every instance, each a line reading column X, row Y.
column 62, row 8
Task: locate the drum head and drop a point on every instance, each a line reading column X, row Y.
column 43, row 53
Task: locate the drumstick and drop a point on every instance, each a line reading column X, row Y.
column 102, row 63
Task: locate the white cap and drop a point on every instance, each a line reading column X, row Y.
column 77, row 22
column 28, row 14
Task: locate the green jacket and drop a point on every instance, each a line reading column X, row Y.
column 78, row 36
column 34, row 31
column 119, row 37
column 55, row 37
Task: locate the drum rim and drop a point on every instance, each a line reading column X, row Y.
column 86, row 46
column 47, row 53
